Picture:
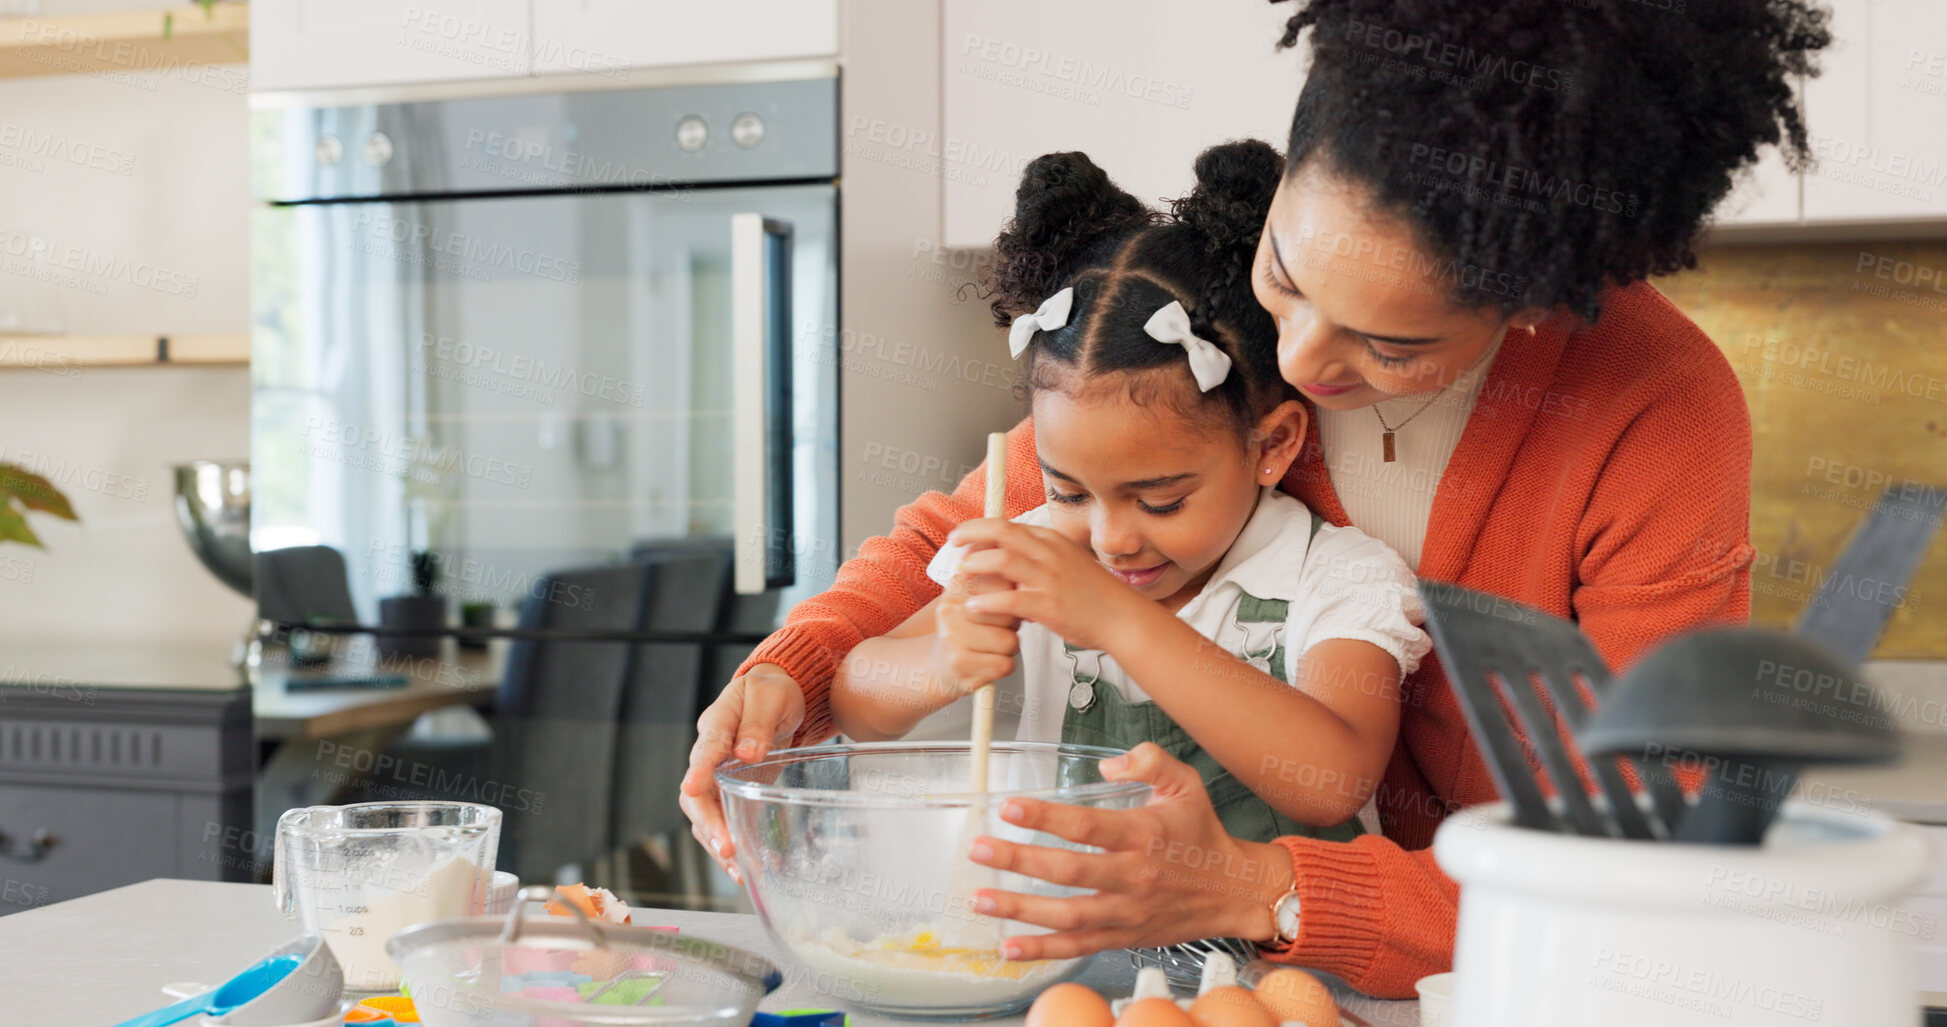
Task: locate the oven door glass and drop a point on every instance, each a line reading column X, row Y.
column 519, row 385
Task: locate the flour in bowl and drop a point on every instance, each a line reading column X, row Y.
column 917, row 970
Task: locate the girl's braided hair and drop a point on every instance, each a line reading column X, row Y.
column 1072, row 226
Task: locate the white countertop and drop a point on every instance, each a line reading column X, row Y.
column 98, row 960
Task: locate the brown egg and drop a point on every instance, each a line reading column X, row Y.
column 1154, row 1012
column 1231, row 1007
column 1296, row 995
column 1070, row 1005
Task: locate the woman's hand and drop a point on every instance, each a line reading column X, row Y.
column 1057, row 584
column 759, row 710
column 1168, row 872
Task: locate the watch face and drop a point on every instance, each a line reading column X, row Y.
column 1288, row 918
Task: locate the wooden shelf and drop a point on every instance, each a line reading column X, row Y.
column 62, row 354
column 124, row 41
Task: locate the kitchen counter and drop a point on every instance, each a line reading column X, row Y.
column 1914, row 789
column 101, row 959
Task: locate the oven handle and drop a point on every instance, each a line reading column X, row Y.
column 760, row 361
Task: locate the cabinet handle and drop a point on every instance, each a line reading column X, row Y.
column 32, row 851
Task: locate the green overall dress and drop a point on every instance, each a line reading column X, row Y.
column 1097, row 714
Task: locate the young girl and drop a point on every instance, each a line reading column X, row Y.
column 1167, row 591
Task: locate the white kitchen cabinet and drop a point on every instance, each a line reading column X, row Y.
column 1139, row 85
column 611, row 36
column 326, row 44
column 1876, row 114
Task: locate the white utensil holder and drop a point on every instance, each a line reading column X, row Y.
column 1807, row 929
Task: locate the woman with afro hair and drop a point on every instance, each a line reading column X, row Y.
column 1456, row 258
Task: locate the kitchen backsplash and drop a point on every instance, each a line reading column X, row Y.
column 1840, row 350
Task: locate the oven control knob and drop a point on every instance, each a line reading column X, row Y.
column 378, row 149
column 747, row 131
column 329, row 150
column 691, row 133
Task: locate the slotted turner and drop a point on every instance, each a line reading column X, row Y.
column 1499, row 657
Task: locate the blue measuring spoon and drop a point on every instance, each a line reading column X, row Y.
column 244, row 987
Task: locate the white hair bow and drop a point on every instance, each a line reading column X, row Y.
column 1171, row 325
column 1052, row 314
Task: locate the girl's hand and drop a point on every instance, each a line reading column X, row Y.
column 1057, row 584
column 1168, row 872
column 970, row 653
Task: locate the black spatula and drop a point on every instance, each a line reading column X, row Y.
column 1500, row 656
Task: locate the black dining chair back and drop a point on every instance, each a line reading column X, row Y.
column 555, row 720
column 689, row 589
column 301, row 585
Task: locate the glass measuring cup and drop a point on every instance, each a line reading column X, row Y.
column 360, row 874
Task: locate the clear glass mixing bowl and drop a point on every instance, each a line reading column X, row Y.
column 855, row 856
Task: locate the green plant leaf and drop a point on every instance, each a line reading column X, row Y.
column 14, row 526
column 168, row 25
column 34, row 492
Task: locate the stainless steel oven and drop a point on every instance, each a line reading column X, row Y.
column 498, row 336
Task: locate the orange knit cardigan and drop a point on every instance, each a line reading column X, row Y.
column 1604, row 476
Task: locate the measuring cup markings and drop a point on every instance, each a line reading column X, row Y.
column 359, row 874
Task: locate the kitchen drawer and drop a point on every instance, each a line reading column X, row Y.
column 100, row 838
column 126, row 784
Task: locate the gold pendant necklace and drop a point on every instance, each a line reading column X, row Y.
column 1388, row 430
